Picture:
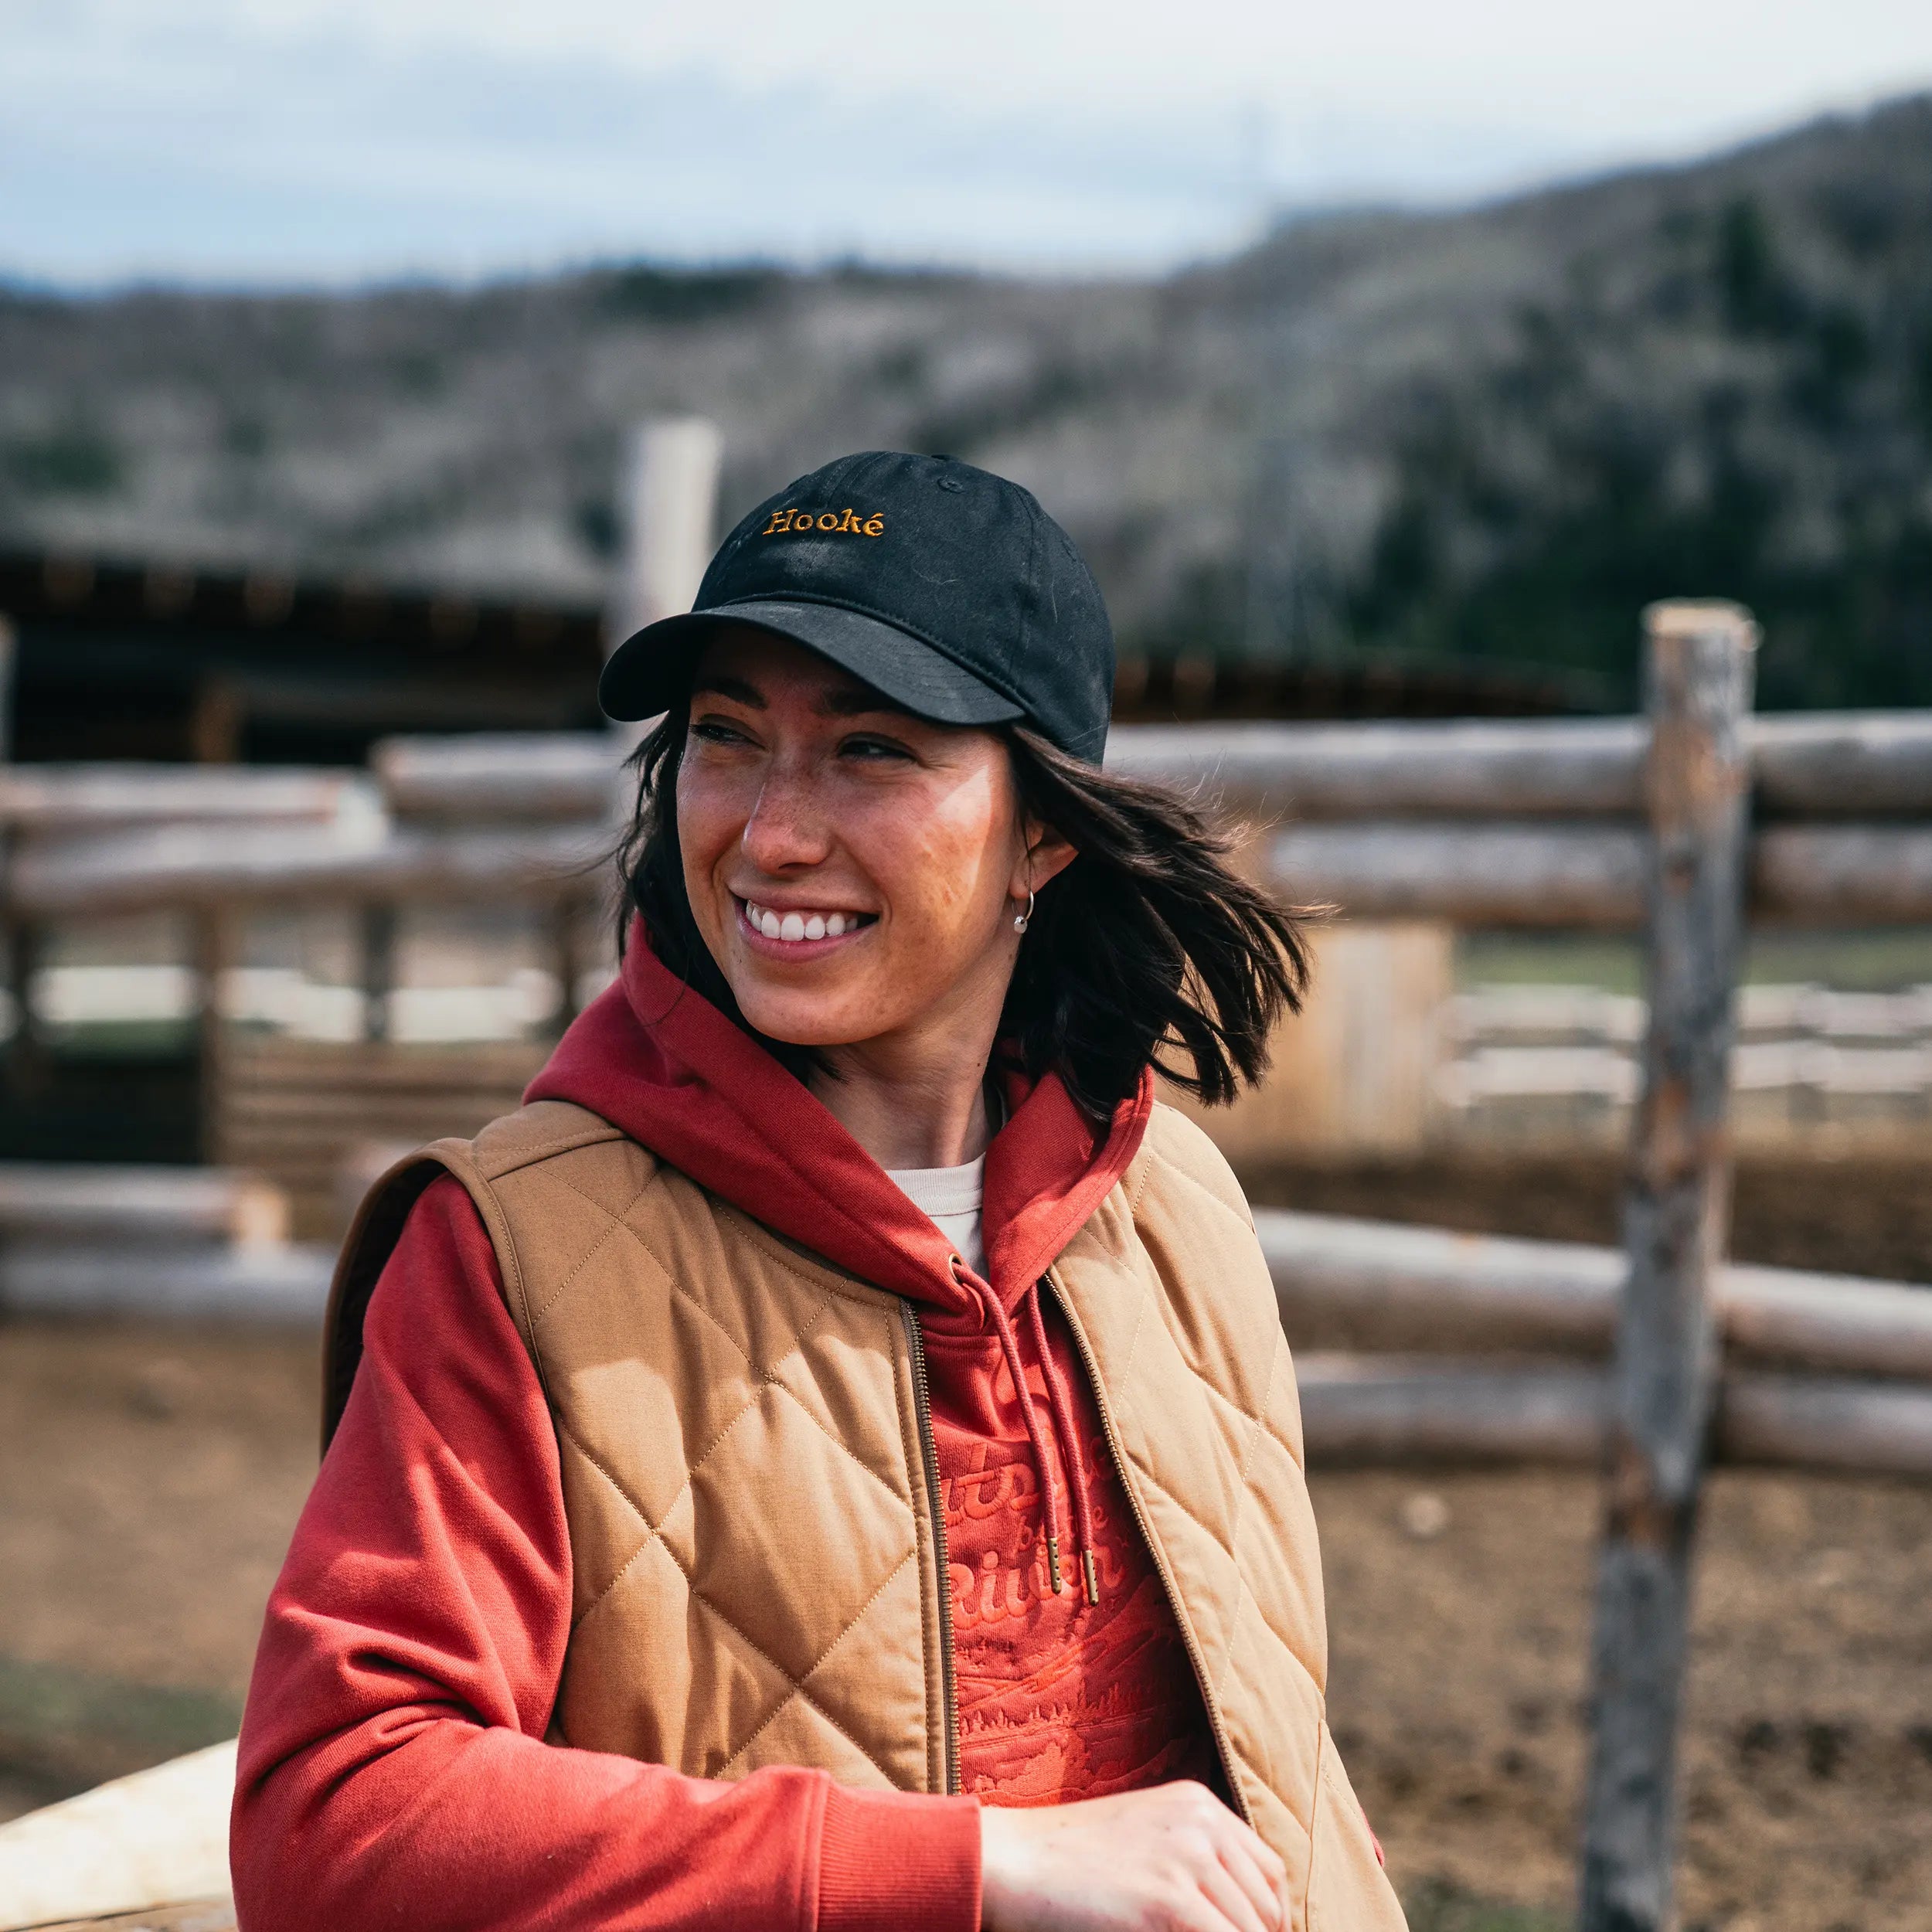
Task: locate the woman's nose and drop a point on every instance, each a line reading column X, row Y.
column 787, row 827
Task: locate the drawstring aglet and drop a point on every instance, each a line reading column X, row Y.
column 1053, row 1564
column 1093, row 1583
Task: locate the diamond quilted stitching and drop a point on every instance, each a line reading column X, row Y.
column 789, row 1318
column 549, row 1271
column 741, row 1686
column 779, row 1302
column 1199, row 1538
column 655, row 1369
column 609, row 1181
column 1207, row 1485
column 783, row 1311
column 604, row 1542
column 1282, row 1417
column 1270, row 1419
column 846, row 1377
column 790, row 1532
column 1278, row 1519
column 709, row 1689
column 762, row 1327
column 732, row 1421
column 797, row 1733
column 1218, row 1345
column 607, row 1544
column 848, row 1685
column 851, row 1661
column 1265, row 1678
column 794, row 1693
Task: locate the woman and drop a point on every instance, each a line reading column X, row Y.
column 831, row 1460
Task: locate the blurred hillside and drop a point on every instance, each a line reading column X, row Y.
column 1487, row 434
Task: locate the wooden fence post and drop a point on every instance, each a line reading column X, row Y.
column 18, row 941
column 1699, row 681
column 565, row 921
column 668, row 503
column 9, row 648
column 376, row 925
column 213, row 931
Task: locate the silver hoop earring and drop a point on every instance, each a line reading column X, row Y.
column 1020, row 919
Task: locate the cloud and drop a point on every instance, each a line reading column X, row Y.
column 207, row 154
column 263, row 141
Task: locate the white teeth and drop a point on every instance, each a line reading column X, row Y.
column 800, row 926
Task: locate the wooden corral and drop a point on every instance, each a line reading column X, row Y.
column 319, row 1117
column 1640, row 824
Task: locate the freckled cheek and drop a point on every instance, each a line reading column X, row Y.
column 934, row 872
column 710, row 824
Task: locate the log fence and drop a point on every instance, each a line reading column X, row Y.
column 1686, row 825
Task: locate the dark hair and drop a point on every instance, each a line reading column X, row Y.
column 1149, row 942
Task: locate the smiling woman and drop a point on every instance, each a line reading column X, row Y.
column 831, row 1460
column 805, row 796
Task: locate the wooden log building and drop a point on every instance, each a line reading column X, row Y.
column 159, row 661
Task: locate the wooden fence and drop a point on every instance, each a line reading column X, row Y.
column 1683, row 824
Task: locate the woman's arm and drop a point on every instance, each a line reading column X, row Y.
column 392, row 1769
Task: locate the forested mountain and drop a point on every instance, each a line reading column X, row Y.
column 1492, row 434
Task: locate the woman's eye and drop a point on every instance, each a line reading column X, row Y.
column 715, row 731
column 871, row 749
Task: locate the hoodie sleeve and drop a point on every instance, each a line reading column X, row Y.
column 392, row 1766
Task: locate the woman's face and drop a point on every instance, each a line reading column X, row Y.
column 853, row 869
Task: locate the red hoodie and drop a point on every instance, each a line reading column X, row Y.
column 392, row 1768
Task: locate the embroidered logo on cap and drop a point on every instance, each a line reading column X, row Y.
column 798, row 522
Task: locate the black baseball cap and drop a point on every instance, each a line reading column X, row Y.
column 945, row 587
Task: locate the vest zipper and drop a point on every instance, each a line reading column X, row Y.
column 929, row 1451
column 1216, row 1729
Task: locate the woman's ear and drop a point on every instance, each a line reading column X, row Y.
column 1045, row 855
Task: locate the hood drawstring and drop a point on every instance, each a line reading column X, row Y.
column 1060, row 1406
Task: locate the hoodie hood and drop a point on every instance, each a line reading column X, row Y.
column 656, row 1059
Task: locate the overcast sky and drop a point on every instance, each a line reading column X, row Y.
column 278, row 141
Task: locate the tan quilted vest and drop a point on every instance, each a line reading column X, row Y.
column 757, row 1552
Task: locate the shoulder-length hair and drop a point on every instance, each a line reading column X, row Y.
column 1149, row 949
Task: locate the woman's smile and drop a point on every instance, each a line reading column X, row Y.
column 798, row 932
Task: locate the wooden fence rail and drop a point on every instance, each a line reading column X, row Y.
column 1423, row 1412
column 208, row 867
column 41, row 800
column 137, row 1205
column 1374, row 1286
column 1824, row 764
column 1828, row 764
column 1499, row 873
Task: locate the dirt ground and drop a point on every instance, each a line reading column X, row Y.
column 148, row 1478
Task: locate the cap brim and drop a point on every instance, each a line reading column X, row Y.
column 651, row 671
